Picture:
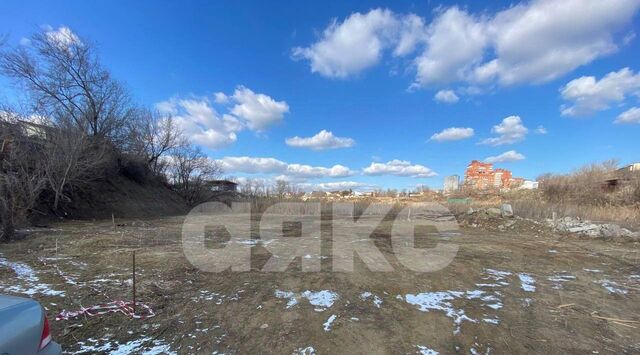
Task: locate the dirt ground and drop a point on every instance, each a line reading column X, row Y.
column 506, row 292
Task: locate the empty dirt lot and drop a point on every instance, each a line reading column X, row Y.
column 514, row 291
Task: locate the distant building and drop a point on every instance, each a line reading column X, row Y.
column 631, row 168
column 223, row 185
column 528, row 185
column 622, row 176
column 451, row 184
column 27, row 132
column 502, row 178
column 481, row 176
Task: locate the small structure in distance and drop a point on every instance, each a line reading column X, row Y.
column 222, row 185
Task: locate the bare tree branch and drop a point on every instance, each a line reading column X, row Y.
column 66, row 80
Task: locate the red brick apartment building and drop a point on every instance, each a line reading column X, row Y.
column 482, row 176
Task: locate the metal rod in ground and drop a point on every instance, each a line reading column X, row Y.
column 133, row 281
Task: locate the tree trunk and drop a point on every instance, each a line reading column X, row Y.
column 56, row 200
column 8, row 229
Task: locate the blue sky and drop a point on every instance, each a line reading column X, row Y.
column 370, row 73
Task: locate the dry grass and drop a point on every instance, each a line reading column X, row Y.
column 540, row 209
column 202, row 312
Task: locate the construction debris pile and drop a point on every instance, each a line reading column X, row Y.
column 498, row 219
column 590, row 229
column 503, row 219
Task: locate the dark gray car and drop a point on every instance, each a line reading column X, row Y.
column 24, row 328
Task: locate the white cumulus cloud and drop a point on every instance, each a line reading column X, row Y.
column 259, row 110
column 589, row 95
column 453, row 134
column 348, row 47
column 62, row 37
column 201, row 122
column 258, row 165
column 205, row 126
column 529, row 42
column 399, row 168
column 456, row 41
column 534, row 41
column 541, row 130
column 322, row 140
column 447, row 96
column 359, row 42
column 632, row 115
column 335, row 186
column 307, row 171
column 252, row 165
column 221, row 98
column 509, row 131
column 508, row 156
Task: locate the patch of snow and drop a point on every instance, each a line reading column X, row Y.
column 612, row 287
column 498, row 276
column 28, row 276
column 492, row 301
column 470, row 295
column 552, row 251
column 321, row 299
column 441, row 301
column 286, row 294
column 592, row 270
column 144, row 345
column 309, row 350
column 208, row 296
column 498, row 273
column 426, row 351
column 491, row 320
column 559, row 279
column 377, row 301
column 327, row 324
column 527, row 283
column 488, row 285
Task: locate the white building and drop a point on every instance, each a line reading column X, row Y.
column 529, row 185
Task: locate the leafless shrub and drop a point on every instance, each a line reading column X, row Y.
column 635, row 195
column 71, row 159
column 584, row 185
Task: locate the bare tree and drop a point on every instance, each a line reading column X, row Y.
column 258, row 188
column 245, row 188
column 282, row 188
column 21, row 176
column 64, row 77
column 189, row 172
column 154, row 136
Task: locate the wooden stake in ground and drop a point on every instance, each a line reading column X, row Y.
column 133, row 281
